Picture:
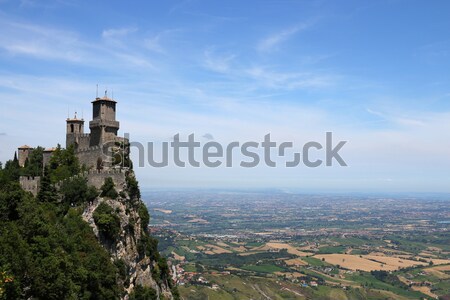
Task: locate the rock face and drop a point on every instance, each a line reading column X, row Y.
column 125, row 246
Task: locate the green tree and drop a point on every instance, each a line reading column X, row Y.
column 76, row 191
column 47, row 191
column 11, row 171
column 34, row 163
column 63, row 164
column 107, row 221
column 133, row 187
column 108, row 189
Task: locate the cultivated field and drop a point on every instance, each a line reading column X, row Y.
column 275, row 245
column 395, row 261
column 354, row 262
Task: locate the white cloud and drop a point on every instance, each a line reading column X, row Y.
column 40, row 42
column 47, row 43
column 271, row 42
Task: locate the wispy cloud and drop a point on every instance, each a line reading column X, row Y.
column 48, row 43
column 272, row 42
column 217, row 63
column 240, row 76
column 154, row 43
column 290, row 81
column 397, row 119
column 40, row 42
column 118, row 32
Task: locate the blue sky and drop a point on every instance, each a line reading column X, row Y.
column 375, row 73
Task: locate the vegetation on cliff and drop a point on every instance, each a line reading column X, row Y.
column 47, row 251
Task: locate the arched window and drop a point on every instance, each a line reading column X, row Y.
column 71, row 127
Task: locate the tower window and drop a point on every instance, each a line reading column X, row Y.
column 71, row 127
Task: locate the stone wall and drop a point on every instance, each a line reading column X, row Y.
column 97, row 178
column 24, row 153
column 81, row 140
column 46, row 155
column 30, row 184
column 90, row 156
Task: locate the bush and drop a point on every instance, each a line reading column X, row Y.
column 108, row 189
column 107, row 221
column 143, row 293
column 145, row 217
column 121, row 268
column 148, row 246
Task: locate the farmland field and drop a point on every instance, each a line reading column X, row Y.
column 305, row 248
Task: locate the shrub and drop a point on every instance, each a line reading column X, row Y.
column 148, row 246
column 108, row 189
column 143, row 293
column 107, row 221
column 143, row 214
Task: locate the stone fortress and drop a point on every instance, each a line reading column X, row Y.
column 101, row 151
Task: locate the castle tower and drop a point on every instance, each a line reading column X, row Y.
column 74, row 130
column 103, row 126
column 24, row 153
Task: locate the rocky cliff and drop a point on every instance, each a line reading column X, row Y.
column 130, row 246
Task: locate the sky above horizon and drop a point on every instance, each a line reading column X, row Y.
column 375, row 73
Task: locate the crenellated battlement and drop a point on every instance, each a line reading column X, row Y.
column 30, row 183
column 97, row 177
column 88, row 149
column 81, row 135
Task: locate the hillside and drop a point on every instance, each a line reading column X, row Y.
column 73, row 241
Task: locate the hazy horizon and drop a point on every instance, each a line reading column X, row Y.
column 373, row 73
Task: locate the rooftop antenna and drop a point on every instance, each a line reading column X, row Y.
column 96, row 96
column 112, row 94
column 82, row 114
column 68, row 111
column 106, row 93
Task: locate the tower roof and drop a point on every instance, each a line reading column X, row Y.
column 75, row 119
column 104, row 98
column 25, row 147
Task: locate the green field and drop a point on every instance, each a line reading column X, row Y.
column 263, row 268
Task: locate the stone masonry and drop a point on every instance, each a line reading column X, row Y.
column 94, row 150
